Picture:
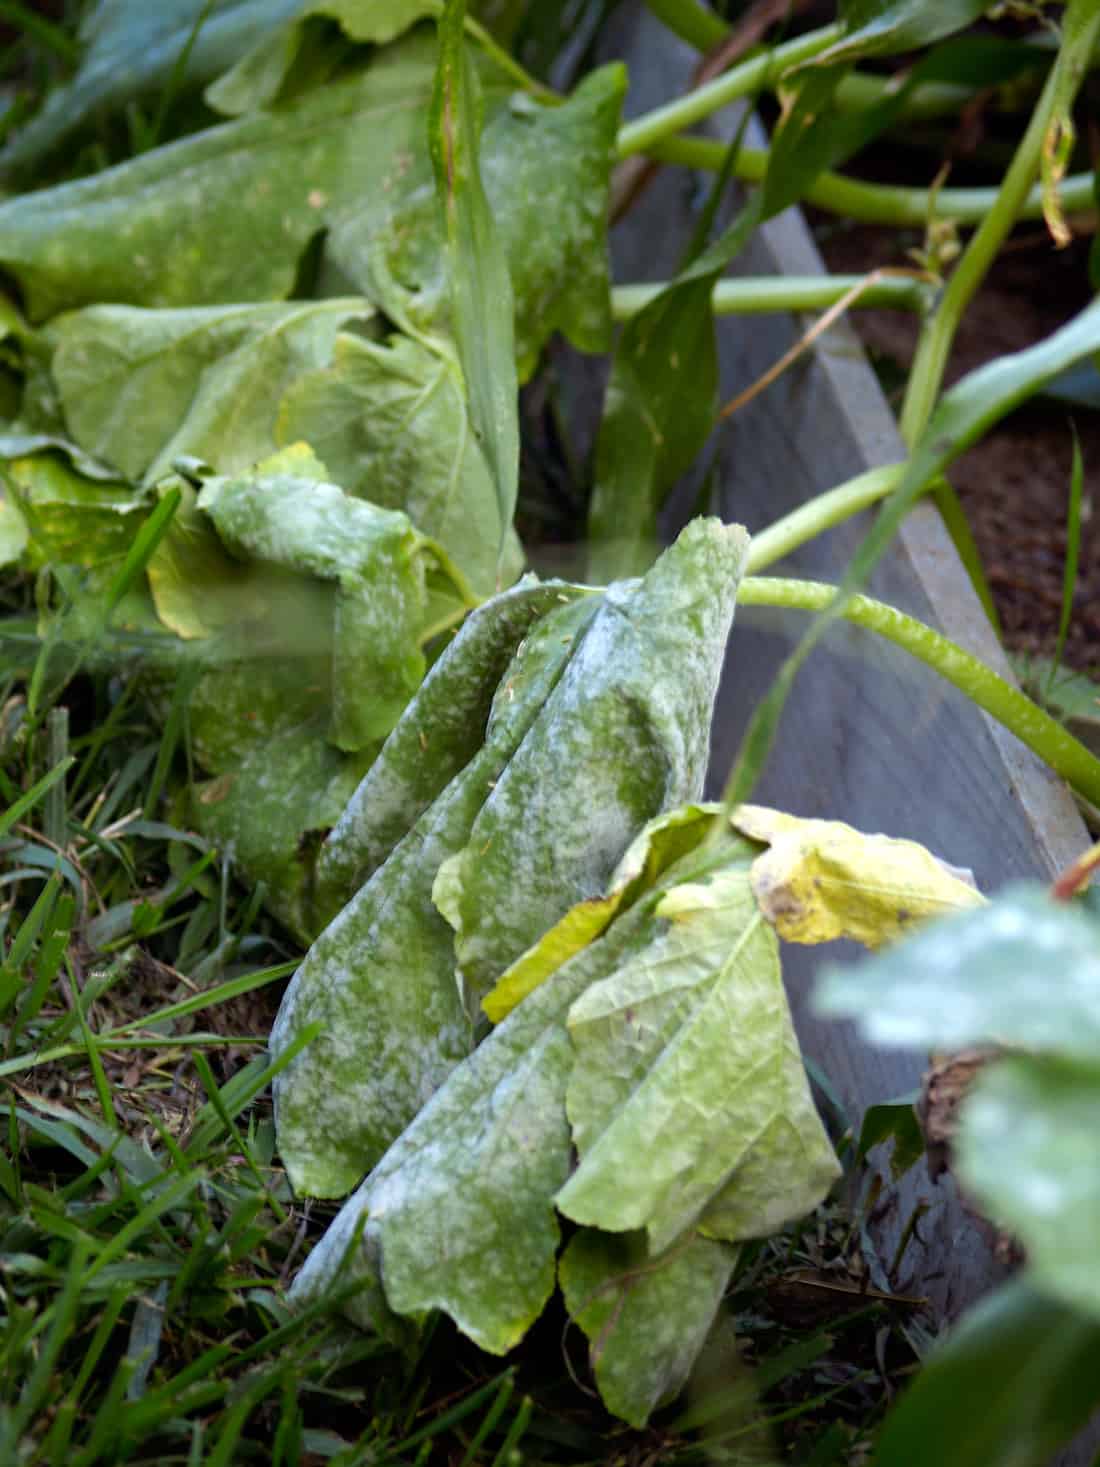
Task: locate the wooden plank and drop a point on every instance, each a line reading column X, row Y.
column 870, row 736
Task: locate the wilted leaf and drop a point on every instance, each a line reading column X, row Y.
column 1028, row 1149
column 133, row 48
column 142, row 388
column 440, row 732
column 820, row 880
column 688, row 1102
column 381, row 976
column 624, row 736
column 1012, row 1382
column 1023, row 971
column 459, row 1214
column 662, row 841
column 390, row 421
column 645, row 1318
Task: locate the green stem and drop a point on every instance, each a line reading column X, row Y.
column 749, row 296
column 872, row 203
column 821, row 513
column 740, row 81
column 860, row 90
column 1041, row 733
column 691, row 21
column 1080, row 29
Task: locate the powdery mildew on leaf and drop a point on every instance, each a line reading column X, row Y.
column 141, row 388
column 380, row 977
column 688, row 1102
column 439, row 733
column 624, row 736
column 645, row 1318
column 459, row 1214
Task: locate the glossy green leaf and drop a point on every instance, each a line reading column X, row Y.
column 624, row 735
column 381, row 976
column 479, row 289
column 1023, row 971
column 1008, row 1386
column 141, row 388
column 888, row 27
column 688, row 1102
column 1028, row 1150
column 390, row 421
column 132, row 50
column 645, row 1318
column 282, row 54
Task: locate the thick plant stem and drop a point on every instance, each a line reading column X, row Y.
column 740, row 81
column 757, row 296
column 821, row 513
column 691, row 21
column 1041, row 733
column 872, row 203
column 1080, row 28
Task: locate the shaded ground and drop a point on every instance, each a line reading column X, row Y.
column 1015, row 484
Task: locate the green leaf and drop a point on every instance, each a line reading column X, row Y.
column 381, row 976
column 132, row 50
column 624, row 736
column 887, row 27
column 661, row 404
column 68, row 517
column 1031, row 1364
column 225, row 215
column 688, row 1102
column 896, row 1122
column 459, row 1214
column 280, row 56
column 283, row 515
column 440, row 733
column 1028, row 1149
column 662, row 841
column 287, row 788
column 645, row 1318
column 479, row 284
column 141, row 388
column 1022, row 971
column 390, row 421
column 546, row 173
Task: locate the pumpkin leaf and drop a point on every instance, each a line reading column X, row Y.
column 1028, row 1149
column 820, row 880
column 380, row 977
column 645, row 1318
column 142, row 388
column 1022, row 971
column 688, row 1101
column 623, row 737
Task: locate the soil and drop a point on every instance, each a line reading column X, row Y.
column 1014, row 485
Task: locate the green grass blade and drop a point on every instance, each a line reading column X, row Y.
column 37, row 791
column 1073, row 555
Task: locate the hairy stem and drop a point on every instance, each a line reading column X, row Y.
column 1041, row 733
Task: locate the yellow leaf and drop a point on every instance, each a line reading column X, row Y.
column 820, row 879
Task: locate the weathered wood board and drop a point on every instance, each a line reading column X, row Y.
column 870, row 736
